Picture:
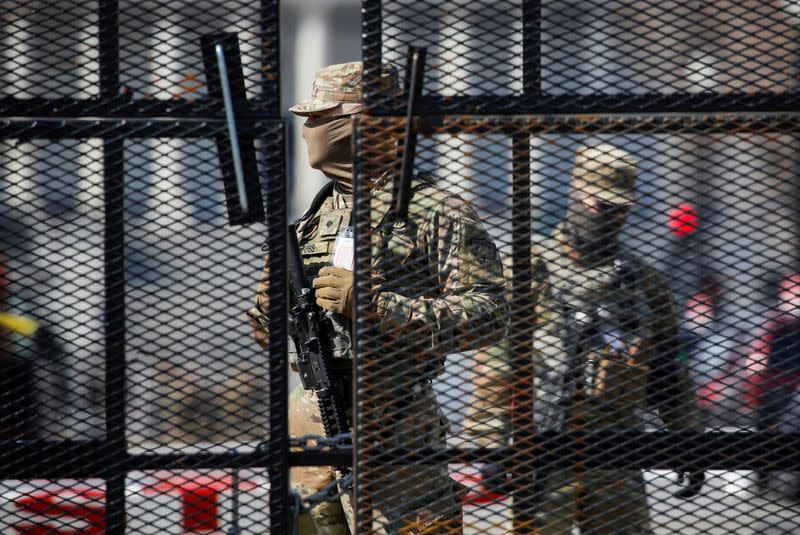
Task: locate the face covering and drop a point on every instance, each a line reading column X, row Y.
column 329, row 147
column 592, row 234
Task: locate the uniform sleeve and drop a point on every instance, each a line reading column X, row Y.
column 461, row 306
column 669, row 388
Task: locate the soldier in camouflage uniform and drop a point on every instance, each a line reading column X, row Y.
column 605, row 347
column 446, row 278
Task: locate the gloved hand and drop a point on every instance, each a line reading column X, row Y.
column 259, row 322
column 334, row 290
column 694, row 480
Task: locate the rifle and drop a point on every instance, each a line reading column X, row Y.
column 313, row 343
column 401, row 190
column 415, row 69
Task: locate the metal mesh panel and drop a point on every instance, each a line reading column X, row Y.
column 60, row 263
column 736, row 175
column 195, row 383
column 160, row 48
column 134, row 399
column 199, row 376
column 50, row 49
column 620, row 364
column 56, row 52
column 525, row 56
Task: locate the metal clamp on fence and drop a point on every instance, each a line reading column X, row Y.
column 225, row 82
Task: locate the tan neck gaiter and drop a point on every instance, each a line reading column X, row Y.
column 329, row 148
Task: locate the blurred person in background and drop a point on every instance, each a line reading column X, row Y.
column 16, row 397
column 706, row 345
column 606, row 348
column 759, row 376
column 772, row 382
column 705, row 342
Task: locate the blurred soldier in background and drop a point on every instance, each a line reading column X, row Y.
column 606, row 346
column 438, row 287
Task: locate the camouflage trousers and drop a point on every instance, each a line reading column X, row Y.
column 600, row 502
column 328, row 518
column 408, row 500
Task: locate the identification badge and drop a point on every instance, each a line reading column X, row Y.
column 343, row 249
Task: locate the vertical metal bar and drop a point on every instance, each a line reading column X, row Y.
column 115, row 324
column 236, row 156
column 276, row 185
column 522, row 303
column 415, row 71
column 270, row 54
column 278, row 469
column 108, row 43
column 531, row 50
column 794, row 267
column 234, row 527
column 114, row 248
column 364, row 325
column 362, row 294
column 371, row 49
column 521, row 338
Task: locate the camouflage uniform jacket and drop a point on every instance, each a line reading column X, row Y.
column 655, row 379
column 438, row 280
column 631, row 361
column 437, row 287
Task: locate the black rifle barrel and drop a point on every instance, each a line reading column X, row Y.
column 297, row 275
column 415, row 69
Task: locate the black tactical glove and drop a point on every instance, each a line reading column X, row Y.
column 694, row 480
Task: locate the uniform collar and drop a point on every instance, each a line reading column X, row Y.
column 342, row 198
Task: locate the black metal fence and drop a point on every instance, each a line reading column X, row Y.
column 701, row 98
column 129, row 375
column 134, row 137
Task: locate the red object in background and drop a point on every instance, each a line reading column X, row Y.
column 682, row 220
column 80, row 510
column 477, row 493
column 200, row 509
column 199, row 497
column 65, row 505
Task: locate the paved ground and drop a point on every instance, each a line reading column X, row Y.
column 728, row 505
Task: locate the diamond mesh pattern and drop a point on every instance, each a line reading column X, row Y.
column 191, row 359
column 134, row 399
column 50, row 49
column 674, row 353
column 667, row 47
column 463, row 39
column 715, row 214
column 524, row 56
column 53, row 253
column 160, row 49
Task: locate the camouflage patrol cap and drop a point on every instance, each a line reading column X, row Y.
column 340, row 84
column 606, row 172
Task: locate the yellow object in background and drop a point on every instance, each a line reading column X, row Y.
column 19, row 324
